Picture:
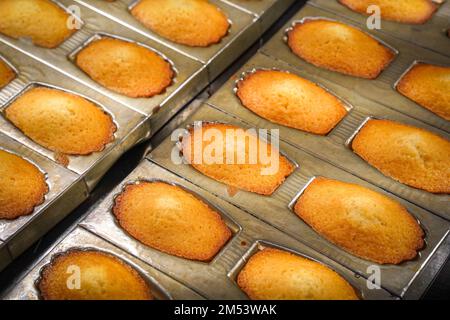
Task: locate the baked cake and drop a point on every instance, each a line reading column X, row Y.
column 339, row 47
column 196, row 23
column 125, row 67
column 41, row 20
column 243, row 170
column 61, row 121
column 6, row 74
column 361, row 221
column 171, row 219
column 22, row 186
column 404, row 11
column 273, row 274
column 410, row 155
column 429, row 86
column 290, row 100
column 102, row 277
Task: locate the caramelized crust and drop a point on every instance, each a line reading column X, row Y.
column 404, row 11
column 361, row 221
column 429, row 86
column 22, row 186
column 290, row 100
column 170, row 219
column 6, row 74
column 246, row 170
column 410, row 155
column 273, row 274
column 102, row 277
column 195, row 23
column 61, row 121
column 41, row 20
column 126, row 68
column 339, row 47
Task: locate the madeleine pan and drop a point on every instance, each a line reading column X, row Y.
column 332, row 147
column 431, row 35
column 66, row 190
column 211, row 279
column 243, row 32
column 381, row 89
column 161, row 286
column 189, row 76
column 275, row 209
column 131, row 125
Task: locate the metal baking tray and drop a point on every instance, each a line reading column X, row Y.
column 66, row 190
column 5, row 257
column 332, row 147
column 444, row 10
column 56, row 68
column 131, row 125
column 381, row 89
column 212, row 279
column 431, row 35
column 267, row 11
column 275, row 209
column 161, row 286
column 69, row 187
column 190, row 75
column 243, row 32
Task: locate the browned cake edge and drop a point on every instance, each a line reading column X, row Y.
column 42, row 284
column 205, row 257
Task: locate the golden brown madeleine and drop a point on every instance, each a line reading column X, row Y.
column 22, row 186
column 290, row 100
column 41, row 20
column 6, row 74
column 273, row 274
column 429, row 86
column 339, row 47
column 410, row 155
column 361, row 221
column 61, row 121
column 404, row 11
column 102, row 277
column 195, row 23
column 124, row 67
column 172, row 220
column 244, row 168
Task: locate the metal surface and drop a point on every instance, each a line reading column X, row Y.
column 431, row 35
column 5, row 257
column 34, row 74
column 275, row 209
column 68, row 187
column 190, row 76
column 267, row 11
column 242, row 33
column 380, row 90
column 211, row 279
column 162, row 286
column 332, row 147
